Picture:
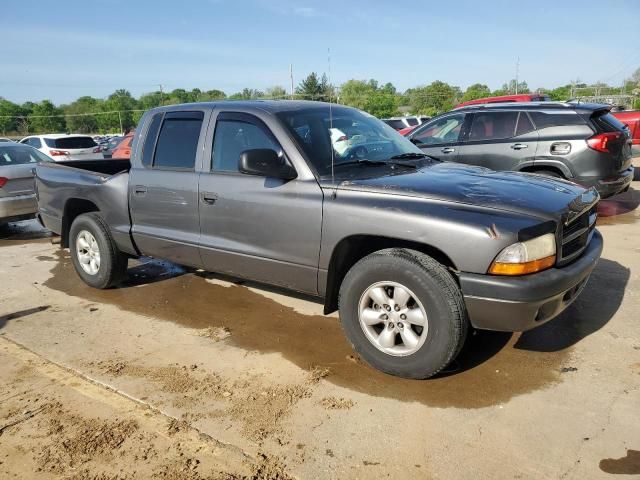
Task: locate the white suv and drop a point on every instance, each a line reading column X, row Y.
column 65, row 147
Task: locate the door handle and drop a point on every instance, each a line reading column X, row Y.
column 139, row 190
column 208, row 198
column 448, row 150
column 519, row 146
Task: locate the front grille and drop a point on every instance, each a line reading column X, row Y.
column 576, row 236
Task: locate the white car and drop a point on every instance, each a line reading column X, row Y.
column 400, row 123
column 62, row 146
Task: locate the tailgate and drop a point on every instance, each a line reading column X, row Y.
column 16, row 180
column 619, row 137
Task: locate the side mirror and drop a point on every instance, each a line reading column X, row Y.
column 265, row 162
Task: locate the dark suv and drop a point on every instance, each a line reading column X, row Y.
column 583, row 143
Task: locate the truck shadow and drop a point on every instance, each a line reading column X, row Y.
column 598, row 303
column 621, row 208
column 17, row 233
column 491, row 369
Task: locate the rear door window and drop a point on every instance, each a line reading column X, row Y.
column 34, row 142
column 150, row 139
column 524, row 124
column 396, row 124
column 177, row 144
column 493, row 126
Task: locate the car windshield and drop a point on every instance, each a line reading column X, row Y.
column 345, row 136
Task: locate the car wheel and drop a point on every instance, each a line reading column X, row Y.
column 94, row 254
column 403, row 313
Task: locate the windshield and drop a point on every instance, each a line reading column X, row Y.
column 19, row 154
column 70, row 142
column 352, row 135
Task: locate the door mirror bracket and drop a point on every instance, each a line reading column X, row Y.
column 265, row 162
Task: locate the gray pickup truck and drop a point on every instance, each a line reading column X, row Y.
column 329, row 201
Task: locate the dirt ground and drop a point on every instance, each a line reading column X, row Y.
column 181, row 374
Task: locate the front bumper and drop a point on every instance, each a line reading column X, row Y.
column 18, row 206
column 608, row 186
column 516, row 304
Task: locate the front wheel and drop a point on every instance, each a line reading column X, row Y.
column 403, row 313
column 94, row 254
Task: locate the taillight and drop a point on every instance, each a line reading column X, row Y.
column 57, row 153
column 601, row 141
column 3, row 181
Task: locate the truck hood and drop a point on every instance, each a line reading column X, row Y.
column 525, row 193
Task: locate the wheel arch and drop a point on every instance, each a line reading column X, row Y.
column 351, row 249
column 73, row 208
column 554, row 165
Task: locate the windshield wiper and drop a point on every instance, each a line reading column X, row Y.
column 409, row 155
column 364, row 161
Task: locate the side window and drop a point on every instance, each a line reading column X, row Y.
column 234, row 135
column 177, row 144
column 493, row 126
column 150, row 139
column 443, row 130
column 524, row 124
column 556, row 119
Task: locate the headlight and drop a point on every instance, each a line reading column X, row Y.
column 526, row 257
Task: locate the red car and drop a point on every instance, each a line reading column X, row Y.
column 123, row 150
column 526, row 97
column 631, row 118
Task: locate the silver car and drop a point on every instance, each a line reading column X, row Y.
column 17, row 194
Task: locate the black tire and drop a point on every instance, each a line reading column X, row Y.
column 113, row 263
column 434, row 287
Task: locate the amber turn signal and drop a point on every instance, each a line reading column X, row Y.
column 498, row 268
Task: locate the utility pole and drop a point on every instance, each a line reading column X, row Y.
column 161, row 95
column 517, row 72
column 120, row 118
column 291, row 78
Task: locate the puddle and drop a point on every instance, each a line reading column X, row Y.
column 493, row 367
column 628, row 465
column 19, row 233
column 620, row 209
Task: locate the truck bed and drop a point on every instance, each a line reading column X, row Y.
column 83, row 186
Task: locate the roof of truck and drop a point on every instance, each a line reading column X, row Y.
column 272, row 106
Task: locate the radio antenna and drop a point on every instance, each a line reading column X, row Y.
column 333, row 181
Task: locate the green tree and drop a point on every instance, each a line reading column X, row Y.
column 315, row 88
column 368, row 96
column 120, row 118
column 47, row 118
column 276, row 92
column 76, row 115
column 509, row 88
column 247, row 94
column 432, row 99
column 560, row 93
column 475, row 91
column 211, row 95
column 9, row 112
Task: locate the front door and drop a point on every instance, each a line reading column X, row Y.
column 163, row 188
column 264, row 229
column 440, row 138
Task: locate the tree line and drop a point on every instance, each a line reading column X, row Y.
column 121, row 111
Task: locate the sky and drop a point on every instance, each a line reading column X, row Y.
column 61, row 50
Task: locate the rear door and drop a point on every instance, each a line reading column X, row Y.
column 163, row 187
column 17, row 164
column 264, row 229
column 441, row 138
column 500, row 140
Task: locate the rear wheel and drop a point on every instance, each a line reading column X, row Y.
column 94, row 254
column 403, row 313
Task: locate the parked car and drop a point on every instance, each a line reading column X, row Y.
column 583, row 143
column 400, row 123
column 526, row 97
column 109, row 146
column 3, row 140
column 65, row 147
column 123, row 149
column 413, row 251
column 406, row 131
column 17, row 195
column 631, row 118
